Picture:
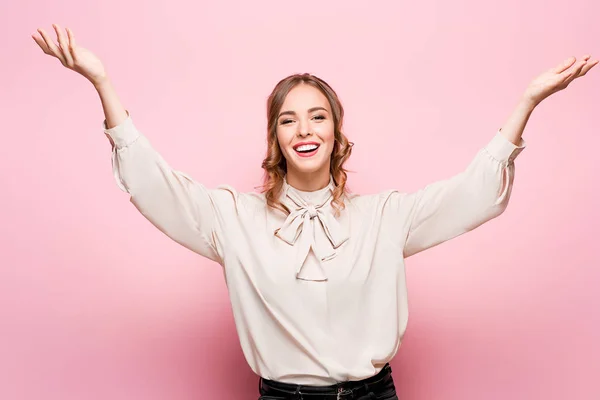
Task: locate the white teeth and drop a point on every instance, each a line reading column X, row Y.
column 307, row 147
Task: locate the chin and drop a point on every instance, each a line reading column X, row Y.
column 309, row 165
column 310, row 169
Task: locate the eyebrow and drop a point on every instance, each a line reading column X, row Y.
column 319, row 108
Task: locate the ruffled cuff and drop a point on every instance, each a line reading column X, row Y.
column 123, row 134
column 503, row 150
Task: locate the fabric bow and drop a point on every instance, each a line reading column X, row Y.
column 300, row 226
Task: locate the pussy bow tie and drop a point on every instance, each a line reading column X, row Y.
column 299, row 230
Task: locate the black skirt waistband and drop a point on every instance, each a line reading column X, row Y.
column 379, row 383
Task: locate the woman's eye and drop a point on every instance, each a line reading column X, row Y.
column 319, row 117
column 286, row 121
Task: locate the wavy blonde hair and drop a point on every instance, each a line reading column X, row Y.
column 274, row 163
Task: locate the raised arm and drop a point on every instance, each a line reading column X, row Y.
column 449, row 208
column 180, row 207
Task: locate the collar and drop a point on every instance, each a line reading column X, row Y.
column 310, row 211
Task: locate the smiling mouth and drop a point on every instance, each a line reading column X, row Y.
column 306, row 148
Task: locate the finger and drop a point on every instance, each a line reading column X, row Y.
column 576, row 68
column 72, row 44
column 40, row 42
column 587, row 67
column 564, row 65
column 64, row 45
column 52, row 46
column 574, row 72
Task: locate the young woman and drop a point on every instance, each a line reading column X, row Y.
column 315, row 275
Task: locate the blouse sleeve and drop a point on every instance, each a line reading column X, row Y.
column 180, row 207
column 448, row 208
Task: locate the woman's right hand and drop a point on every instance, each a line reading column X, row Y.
column 70, row 55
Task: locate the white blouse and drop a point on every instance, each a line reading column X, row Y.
column 317, row 299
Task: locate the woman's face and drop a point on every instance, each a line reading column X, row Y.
column 305, row 131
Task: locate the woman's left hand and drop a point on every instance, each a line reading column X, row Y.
column 557, row 78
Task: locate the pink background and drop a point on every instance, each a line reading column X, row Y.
column 95, row 303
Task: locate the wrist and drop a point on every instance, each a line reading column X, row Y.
column 101, row 83
column 527, row 104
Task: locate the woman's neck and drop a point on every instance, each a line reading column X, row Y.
column 308, row 182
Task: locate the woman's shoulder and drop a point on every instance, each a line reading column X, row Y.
column 379, row 202
column 225, row 193
column 371, row 198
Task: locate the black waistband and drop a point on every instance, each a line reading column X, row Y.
column 368, row 384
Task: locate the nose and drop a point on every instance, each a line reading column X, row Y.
column 304, row 129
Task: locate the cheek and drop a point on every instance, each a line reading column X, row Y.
column 328, row 136
column 285, row 135
column 284, row 138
